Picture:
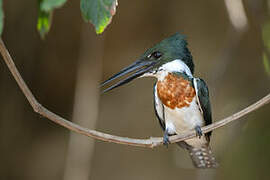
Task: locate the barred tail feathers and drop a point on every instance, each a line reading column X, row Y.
column 201, row 157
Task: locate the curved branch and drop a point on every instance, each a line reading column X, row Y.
column 150, row 142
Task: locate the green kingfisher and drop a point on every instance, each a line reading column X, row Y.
column 181, row 101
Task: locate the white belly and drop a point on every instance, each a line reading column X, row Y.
column 185, row 119
column 181, row 120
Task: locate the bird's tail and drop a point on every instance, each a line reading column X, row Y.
column 201, row 157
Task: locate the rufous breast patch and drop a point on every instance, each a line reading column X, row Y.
column 175, row 91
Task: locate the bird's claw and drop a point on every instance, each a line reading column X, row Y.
column 199, row 132
column 166, row 140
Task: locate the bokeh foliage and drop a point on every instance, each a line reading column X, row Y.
column 98, row 12
column 45, row 11
column 266, row 41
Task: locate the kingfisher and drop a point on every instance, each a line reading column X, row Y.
column 181, row 101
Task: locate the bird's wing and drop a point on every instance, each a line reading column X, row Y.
column 202, row 94
column 159, row 109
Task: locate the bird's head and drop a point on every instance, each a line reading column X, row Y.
column 166, row 55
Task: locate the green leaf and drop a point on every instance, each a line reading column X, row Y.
column 44, row 22
column 266, row 64
column 266, row 41
column 266, row 35
column 45, row 11
column 49, row 5
column 98, row 12
column 1, row 17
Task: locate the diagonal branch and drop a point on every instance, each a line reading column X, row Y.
column 150, row 142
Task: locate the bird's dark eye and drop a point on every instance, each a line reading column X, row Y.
column 156, row 54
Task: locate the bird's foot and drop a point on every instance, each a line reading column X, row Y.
column 166, row 140
column 198, row 131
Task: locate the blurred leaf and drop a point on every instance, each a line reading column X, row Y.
column 44, row 22
column 266, row 64
column 266, row 35
column 266, row 41
column 1, row 17
column 98, row 12
column 49, row 5
column 45, row 11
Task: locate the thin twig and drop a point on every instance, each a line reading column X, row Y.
column 150, row 142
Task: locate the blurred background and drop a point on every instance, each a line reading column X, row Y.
column 229, row 41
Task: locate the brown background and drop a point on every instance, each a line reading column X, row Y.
column 64, row 71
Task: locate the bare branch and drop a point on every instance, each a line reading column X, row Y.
column 150, row 142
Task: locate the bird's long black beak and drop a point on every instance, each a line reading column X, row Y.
column 138, row 68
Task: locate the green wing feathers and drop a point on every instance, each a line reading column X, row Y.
column 203, row 95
